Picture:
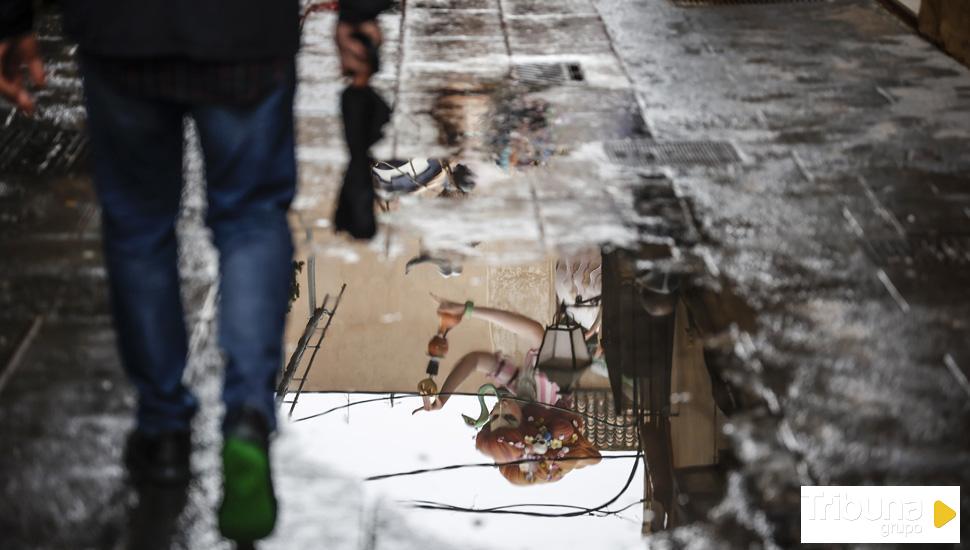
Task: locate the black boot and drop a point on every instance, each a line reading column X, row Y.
column 248, row 509
column 161, row 459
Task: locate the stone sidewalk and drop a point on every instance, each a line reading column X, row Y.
column 845, row 223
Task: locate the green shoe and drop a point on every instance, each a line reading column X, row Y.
column 248, row 510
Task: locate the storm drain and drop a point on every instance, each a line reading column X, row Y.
column 37, row 149
column 650, row 153
column 922, row 251
column 547, row 74
column 708, row 3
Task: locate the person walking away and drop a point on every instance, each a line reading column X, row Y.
column 146, row 66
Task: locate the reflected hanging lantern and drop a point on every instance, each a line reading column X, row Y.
column 563, row 355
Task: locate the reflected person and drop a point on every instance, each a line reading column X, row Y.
column 146, row 66
column 523, row 424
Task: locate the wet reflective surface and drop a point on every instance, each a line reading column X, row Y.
column 542, row 450
column 424, row 500
column 766, row 252
column 557, row 443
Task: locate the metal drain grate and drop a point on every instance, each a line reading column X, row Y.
column 715, row 3
column 29, row 148
column 651, row 153
column 547, row 74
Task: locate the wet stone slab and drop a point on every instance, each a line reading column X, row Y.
column 566, row 34
column 64, row 424
column 434, row 25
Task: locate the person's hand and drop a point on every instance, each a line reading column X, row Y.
column 15, row 54
column 353, row 54
column 447, row 307
column 431, row 403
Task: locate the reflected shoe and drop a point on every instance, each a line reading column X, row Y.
column 161, row 459
column 248, row 509
column 395, row 177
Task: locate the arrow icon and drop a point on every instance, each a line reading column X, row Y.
column 942, row 514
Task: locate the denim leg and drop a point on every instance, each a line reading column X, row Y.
column 137, row 153
column 251, row 173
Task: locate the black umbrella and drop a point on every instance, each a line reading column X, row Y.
column 364, row 114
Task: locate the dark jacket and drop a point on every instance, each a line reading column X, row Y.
column 212, row 30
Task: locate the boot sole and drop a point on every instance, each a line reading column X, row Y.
column 248, row 510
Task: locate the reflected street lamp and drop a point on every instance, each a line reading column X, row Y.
column 563, row 355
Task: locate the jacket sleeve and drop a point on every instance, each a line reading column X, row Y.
column 16, row 17
column 356, row 11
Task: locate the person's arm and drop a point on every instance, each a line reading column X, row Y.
column 18, row 48
column 529, row 329
column 358, row 16
column 475, row 361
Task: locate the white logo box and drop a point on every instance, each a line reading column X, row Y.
column 865, row 514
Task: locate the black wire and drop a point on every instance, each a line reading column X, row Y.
column 485, row 465
column 335, row 409
column 580, row 511
column 403, row 395
column 627, row 507
column 505, row 509
column 431, row 505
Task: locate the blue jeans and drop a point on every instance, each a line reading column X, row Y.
column 251, row 174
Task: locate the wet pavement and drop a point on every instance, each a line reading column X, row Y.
column 845, row 226
column 767, row 203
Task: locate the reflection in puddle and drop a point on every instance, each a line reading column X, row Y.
column 562, row 374
column 509, row 123
column 548, row 443
column 427, row 468
column 418, row 176
column 495, row 366
column 424, row 177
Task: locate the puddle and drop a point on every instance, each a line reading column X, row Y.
column 432, row 344
column 508, row 123
column 549, row 439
